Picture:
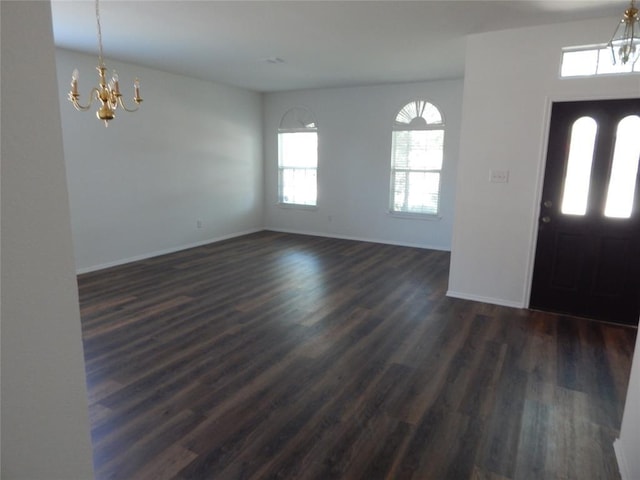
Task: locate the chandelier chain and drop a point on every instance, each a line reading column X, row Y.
column 100, row 55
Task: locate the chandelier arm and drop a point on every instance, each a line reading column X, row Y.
column 76, row 102
column 630, row 29
column 124, row 107
column 616, row 31
column 113, row 101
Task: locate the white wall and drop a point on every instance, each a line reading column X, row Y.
column 137, row 188
column 45, row 427
column 511, row 77
column 627, row 445
column 354, row 155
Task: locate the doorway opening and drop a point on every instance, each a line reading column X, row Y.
column 587, row 260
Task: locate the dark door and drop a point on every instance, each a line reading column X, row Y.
column 588, row 252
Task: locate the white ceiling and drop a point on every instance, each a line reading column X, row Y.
column 322, row 43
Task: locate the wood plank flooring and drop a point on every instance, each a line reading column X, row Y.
column 278, row 356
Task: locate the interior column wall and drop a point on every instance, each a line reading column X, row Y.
column 45, row 427
column 511, row 79
column 627, row 445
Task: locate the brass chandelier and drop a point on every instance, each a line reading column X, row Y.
column 107, row 93
column 625, row 43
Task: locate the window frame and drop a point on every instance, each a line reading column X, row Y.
column 599, row 51
column 296, row 120
column 400, row 127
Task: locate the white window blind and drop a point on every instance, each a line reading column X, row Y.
column 298, row 167
column 417, row 154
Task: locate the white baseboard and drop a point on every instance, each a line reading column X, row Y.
column 482, row 299
column 622, row 463
column 178, row 248
column 157, row 253
column 360, row 239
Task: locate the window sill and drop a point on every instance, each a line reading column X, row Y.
column 415, row 216
column 296, row 206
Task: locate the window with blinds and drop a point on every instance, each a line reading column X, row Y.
column 298, row 158
column 417, row 153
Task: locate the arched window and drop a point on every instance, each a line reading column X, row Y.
column 298, row 158
column 417, row 153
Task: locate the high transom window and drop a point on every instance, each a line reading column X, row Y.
column 589, row 61
column 417, row 153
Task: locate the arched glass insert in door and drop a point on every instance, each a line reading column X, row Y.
column 578, row 174
column 624, row 169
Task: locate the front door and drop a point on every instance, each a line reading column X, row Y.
column 588, row 252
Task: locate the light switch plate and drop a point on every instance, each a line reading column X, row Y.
column 499, row 176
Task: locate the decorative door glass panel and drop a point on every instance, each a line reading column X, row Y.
column 578, row 173
column 624, row 169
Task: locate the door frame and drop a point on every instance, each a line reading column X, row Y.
column 542, row 164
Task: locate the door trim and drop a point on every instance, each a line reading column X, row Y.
column 542, row 163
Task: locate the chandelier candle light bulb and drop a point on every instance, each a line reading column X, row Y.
column 74, row 82
column 107, row 93
column 114, row 84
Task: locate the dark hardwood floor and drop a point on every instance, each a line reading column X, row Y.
column 286, row 356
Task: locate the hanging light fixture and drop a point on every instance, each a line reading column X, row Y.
column 625, row 43
column 107, row 93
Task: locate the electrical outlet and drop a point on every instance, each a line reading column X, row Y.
column 499, row 176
